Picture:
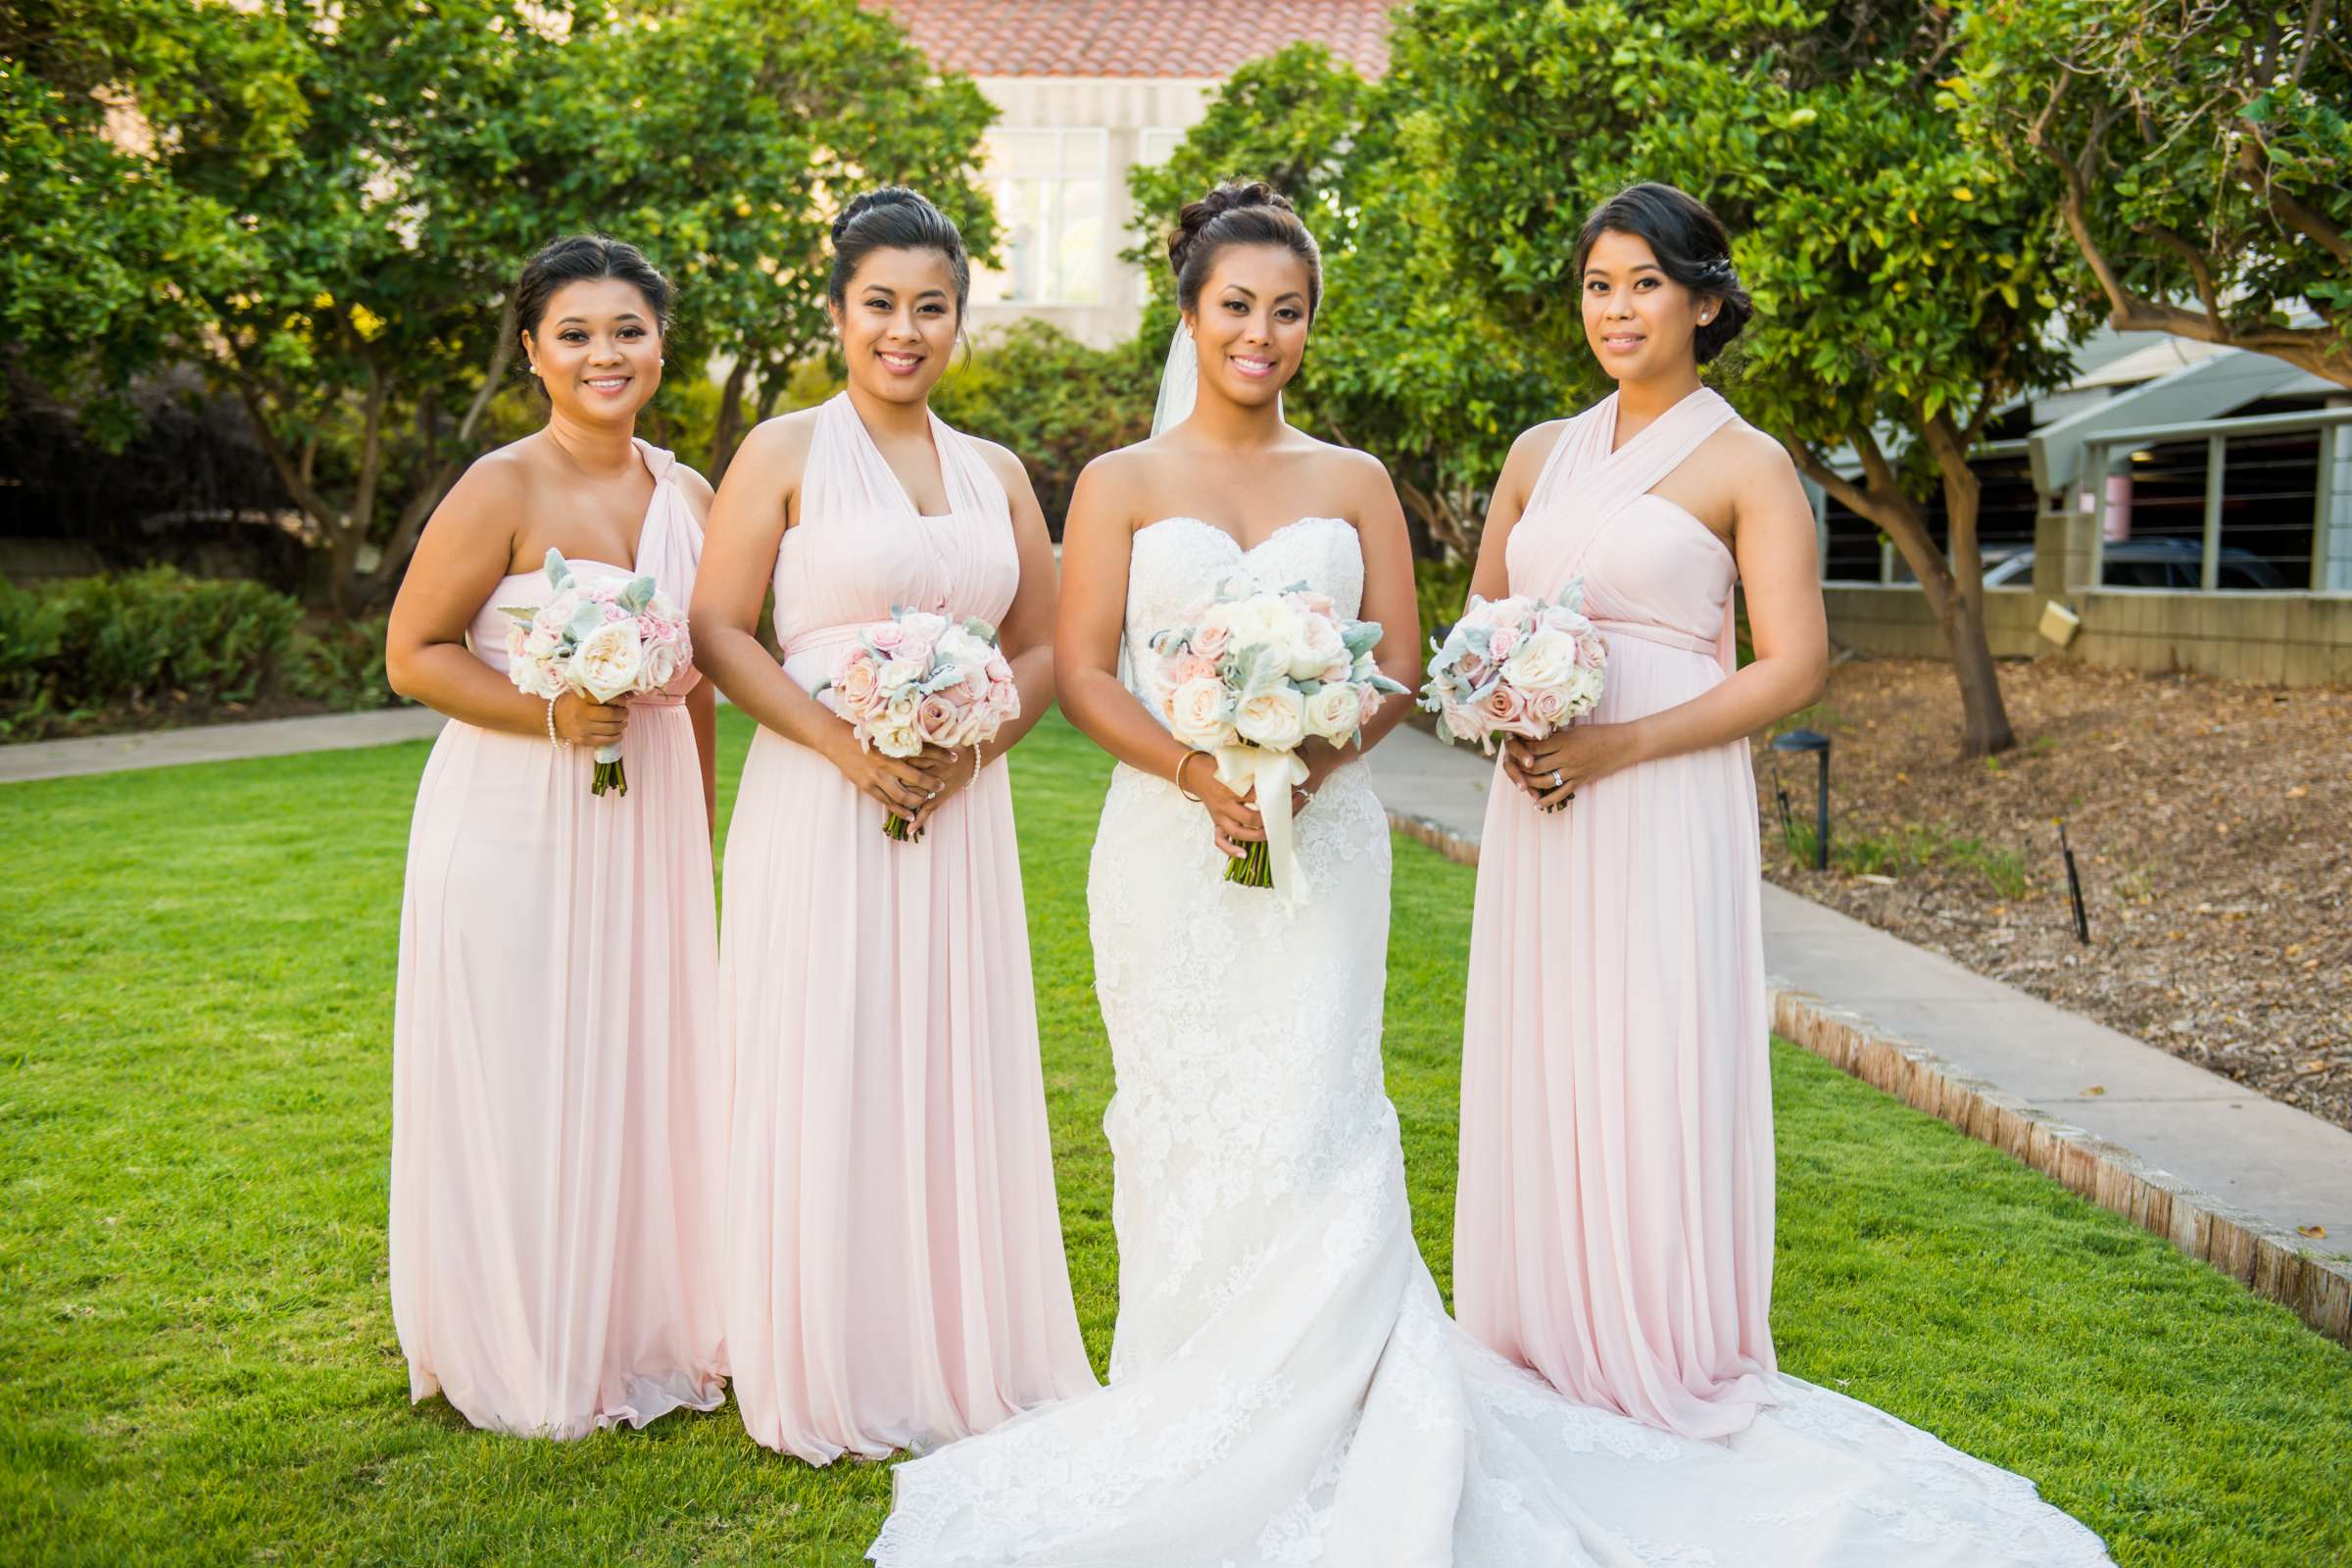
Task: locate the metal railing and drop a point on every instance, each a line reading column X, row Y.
column 2099, row 460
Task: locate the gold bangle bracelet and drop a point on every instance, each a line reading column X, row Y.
column 1180, row 788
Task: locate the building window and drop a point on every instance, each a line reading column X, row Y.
column 1049, row 188
column 1156, row 144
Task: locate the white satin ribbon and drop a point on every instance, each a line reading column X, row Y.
column 1273, row 775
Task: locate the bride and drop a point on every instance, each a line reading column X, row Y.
column 1285, row 1385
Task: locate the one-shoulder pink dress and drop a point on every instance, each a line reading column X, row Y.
column 1613, row 1223
column 557, row 1086
column 894, row 1267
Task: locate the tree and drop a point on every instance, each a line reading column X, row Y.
column 775, row 113
column 359, row 220
column 1400, row 364
column 1898, row 269
column 2203, row 159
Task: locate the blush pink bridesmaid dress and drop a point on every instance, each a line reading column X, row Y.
column 1613, row 1227
column 557, row 1111
column 895, row 1268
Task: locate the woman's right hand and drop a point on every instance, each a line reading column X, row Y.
column 897, row 784
column 586, row 723
column 1233, row 816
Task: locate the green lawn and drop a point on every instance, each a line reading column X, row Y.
column 196, row 1355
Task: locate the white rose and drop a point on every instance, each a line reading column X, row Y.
column 1582, row 689
column 1197, row 711
column 660, row 665
column 609, row 662
column 1260, row 622
column 1335, row 713
column 1315, row 646
column 1543, row 659
column 1275, row 719
column 896, row 740
column 961, row 648
column 899, row 674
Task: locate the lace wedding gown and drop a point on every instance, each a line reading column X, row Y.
column 1285, row 1385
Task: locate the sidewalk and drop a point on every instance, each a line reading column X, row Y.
column 215, row 742
column 2225, row 1173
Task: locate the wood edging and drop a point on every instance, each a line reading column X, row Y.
column 2267, row 1258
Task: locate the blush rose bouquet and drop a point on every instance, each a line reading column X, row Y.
column 1252, row 677
column 1520, row 666
column 607, row 640
column 920, row 679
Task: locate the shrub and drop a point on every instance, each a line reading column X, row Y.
column 31, row 631
column 342, row 666
column 155, row 633
column 145, row 638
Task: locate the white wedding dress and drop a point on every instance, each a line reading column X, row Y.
column 1286, row 1387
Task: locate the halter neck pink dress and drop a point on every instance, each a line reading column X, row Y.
column 894, row 1267
column 557, row 1118
column 1613, row 1224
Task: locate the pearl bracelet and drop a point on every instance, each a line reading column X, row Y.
column 553, row 739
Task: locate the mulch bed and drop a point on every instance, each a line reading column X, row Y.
column 2211, row 821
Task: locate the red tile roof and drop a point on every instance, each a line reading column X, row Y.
column 1197, row 38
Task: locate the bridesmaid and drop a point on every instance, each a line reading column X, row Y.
column 895, row 1268
column 1613, row 1227
column 557, row 1084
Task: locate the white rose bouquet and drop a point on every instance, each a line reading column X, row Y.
column 920, row 679
column 605, row 640
column 1249, row 681
column 1516, row 667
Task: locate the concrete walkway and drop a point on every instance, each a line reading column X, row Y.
column 215, row 742
column 2235, row 1175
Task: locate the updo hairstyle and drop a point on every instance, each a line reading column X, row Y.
column 1238, row 213
column 896, row 219
column 1690, row 246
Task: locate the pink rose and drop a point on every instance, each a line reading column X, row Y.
column 887, row 636
column 1500, row 645
column 1463, row 724
column 1548, row 706
column 996, row 668
column 914, row 650
column 1005, row 699
column 1503, row 709
column 1191, row 666
column 857, row 682
column 1209, row 639
column 939, row 720
column 1318, row 604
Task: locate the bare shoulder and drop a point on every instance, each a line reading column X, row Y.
column 1002, row 462
column 699, row 493
column 1747, row 453
column 782, row 440
column 1534, row 443
column 1114, row 479
column 495, row 491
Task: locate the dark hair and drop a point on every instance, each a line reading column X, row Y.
column 1238, row 213
column 576, row 256
column 1690, row 246
column 896, row 219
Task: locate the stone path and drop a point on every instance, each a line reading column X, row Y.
column 2226, row 1174
column 215, row 742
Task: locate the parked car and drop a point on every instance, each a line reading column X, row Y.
column 2151, row 563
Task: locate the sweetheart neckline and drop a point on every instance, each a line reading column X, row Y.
column 1243, row 549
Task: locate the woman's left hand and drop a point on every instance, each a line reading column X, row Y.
column 1551, row 770
column 950, row 771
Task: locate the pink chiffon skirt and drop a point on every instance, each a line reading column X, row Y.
column 1613, row 1226
column 557, row 1123
column 894, row 1267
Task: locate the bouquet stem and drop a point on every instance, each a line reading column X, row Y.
column 609, row 776
column 1256, row 868
column 896, row 826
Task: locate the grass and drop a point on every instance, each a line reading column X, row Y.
column 197, row 1355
